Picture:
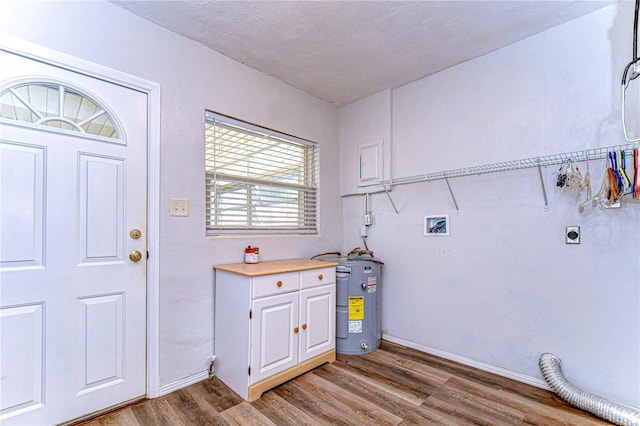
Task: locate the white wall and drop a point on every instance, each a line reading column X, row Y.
column 368, row 121
column 193, row 79
column 504, row 287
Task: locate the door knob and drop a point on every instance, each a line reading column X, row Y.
column 135, row 234
column 135, row 256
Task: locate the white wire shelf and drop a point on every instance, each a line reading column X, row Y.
column 526, row 163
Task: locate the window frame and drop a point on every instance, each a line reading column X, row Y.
column 308, row 205
column 61, row 89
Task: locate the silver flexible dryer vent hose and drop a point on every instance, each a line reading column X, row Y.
column 620, row 414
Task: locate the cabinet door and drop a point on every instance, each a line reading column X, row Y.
column 317, row 321
column 274, row 343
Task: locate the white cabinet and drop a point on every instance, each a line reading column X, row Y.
column 317, row 321
column 273, row 321
column 274, row 345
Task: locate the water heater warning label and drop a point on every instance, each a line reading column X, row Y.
column 356, row 308
column 371, row 285
column 355, row 327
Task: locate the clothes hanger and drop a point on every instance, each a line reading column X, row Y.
column 622, row 164
column 636, row 174
column 601, row 197
column 585, row 184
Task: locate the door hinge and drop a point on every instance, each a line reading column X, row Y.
column 249, row 371
column 147, row 255
column 250, row 313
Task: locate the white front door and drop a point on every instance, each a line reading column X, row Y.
column 73, row 166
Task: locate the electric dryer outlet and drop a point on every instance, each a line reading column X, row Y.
column 572, row 234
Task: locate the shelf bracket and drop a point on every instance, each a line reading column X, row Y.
column 544, row 191
column 452, row 196
column 386, row 191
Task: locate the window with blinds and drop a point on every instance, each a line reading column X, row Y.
column 258, row 180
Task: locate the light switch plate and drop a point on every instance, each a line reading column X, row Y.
column 179, row 207
column 572, row 234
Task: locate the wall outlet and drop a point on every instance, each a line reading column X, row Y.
column 179, row 207
column 572, row 234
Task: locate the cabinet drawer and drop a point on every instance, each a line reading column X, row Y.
column 316, row 277
column 269, row 285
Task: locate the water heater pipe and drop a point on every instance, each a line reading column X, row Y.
column 620, row 414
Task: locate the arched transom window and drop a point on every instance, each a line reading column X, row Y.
column 58, row 106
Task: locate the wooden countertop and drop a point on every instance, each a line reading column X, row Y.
column 274, row 267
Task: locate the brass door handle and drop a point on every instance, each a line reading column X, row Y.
column 295, row 330
column 304, row 326
column 320, row 277
column 279, row 283
column 135, row 256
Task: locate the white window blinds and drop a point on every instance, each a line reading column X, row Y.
column 258, row 180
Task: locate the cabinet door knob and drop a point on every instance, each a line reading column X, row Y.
column 320, row 277
column 295, row 330
column 304, row 326
column 279, row 283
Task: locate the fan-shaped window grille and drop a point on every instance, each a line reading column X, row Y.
column 57, row 106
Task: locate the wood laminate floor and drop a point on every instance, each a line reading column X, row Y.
column 394, row 385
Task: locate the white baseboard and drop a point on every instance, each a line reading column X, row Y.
column 514, row 375
column 183, row 383
column 519, row 377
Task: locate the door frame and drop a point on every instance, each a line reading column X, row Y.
column 48, row 56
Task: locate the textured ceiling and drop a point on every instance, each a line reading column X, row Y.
column 342, row 51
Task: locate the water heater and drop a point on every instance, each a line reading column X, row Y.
column 357, row 305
